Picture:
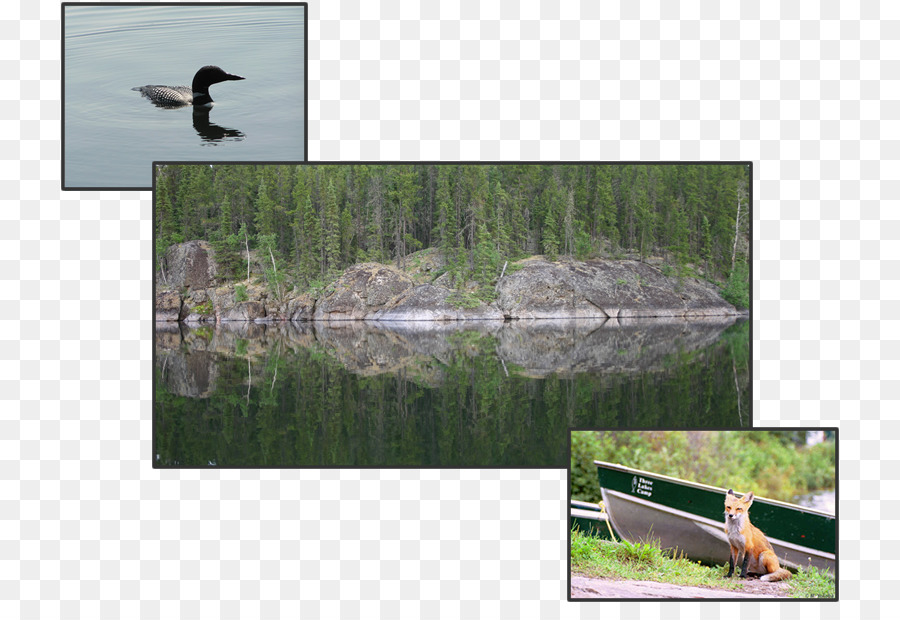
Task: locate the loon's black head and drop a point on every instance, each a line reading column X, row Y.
column 209, row 75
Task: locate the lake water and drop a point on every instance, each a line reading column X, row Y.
column 820, row 500
column 462, row 394
column 112, row 134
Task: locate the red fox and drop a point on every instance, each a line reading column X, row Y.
column 749, row 546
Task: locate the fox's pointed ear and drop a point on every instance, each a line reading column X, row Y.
column 748, row 497
column 730, row 492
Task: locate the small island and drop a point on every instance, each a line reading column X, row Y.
column 449, row 242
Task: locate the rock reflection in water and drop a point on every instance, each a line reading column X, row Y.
column 508, row 390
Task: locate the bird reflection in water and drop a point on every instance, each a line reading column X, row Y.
column 209, row 131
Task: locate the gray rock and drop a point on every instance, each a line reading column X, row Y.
column 190, row 265
column 427, row 302
column 300, row 308
column 243, row 311
column 370, row 291
column 604, row 289
column 361, row 291
column 168, row 306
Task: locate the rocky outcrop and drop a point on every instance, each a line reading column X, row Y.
column 168, row 306
column 427, row 302
column 300, row 308
column 604, row 289
column 190, row 265
column 244, row 311
column 361, row 291
column 532, row 289
column 198, row 307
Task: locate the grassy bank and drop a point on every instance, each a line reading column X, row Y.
column 593, row 557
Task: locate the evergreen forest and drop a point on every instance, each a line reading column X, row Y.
column 307, row 223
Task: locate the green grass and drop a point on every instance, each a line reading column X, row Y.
column 641, row 561
column 810, row 582
column 462, row 300
column 594, row 557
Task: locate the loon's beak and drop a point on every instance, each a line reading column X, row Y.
column 235, row 77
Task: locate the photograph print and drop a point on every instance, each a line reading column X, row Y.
column 703, row 514
column 443, row 314
column 160, row 81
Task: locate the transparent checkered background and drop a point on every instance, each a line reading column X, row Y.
column 809, row 93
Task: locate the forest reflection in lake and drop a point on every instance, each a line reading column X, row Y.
column 422, row 394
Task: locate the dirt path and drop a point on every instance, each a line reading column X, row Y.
column 590, row 587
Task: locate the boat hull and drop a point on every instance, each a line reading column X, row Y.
column 688, row 518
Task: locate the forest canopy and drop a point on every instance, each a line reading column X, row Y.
column 314, row 220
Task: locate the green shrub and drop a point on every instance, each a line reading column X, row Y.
column 205, row 308
column 463, row 300
column 240, row 293
column 737, row 289
column 770, row 463
column 583, row 247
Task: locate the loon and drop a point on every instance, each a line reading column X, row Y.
column 197, row 94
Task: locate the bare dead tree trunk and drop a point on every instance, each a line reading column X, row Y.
column 162, row 272
column 275, row 272
column 741, row 196
column 249, row 380
column 247, row 246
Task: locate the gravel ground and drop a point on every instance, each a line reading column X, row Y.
column 589, row 587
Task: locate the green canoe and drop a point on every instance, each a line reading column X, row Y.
column 689, row 517
column 588, row 518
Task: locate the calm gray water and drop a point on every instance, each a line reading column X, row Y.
column 112, row 133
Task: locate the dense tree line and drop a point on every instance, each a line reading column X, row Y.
column 309, row 222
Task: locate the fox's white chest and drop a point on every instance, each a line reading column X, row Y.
column 733, row 527
column 736, row 539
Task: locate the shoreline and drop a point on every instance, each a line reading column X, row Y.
column 266, row 321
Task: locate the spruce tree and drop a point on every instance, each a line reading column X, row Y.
column 331, row 231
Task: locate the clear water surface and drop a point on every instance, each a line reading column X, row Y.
column 112, row 133
column 422, row 394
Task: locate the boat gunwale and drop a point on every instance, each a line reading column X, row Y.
column 577, row 503
column 707, row 487
column 588, row 514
